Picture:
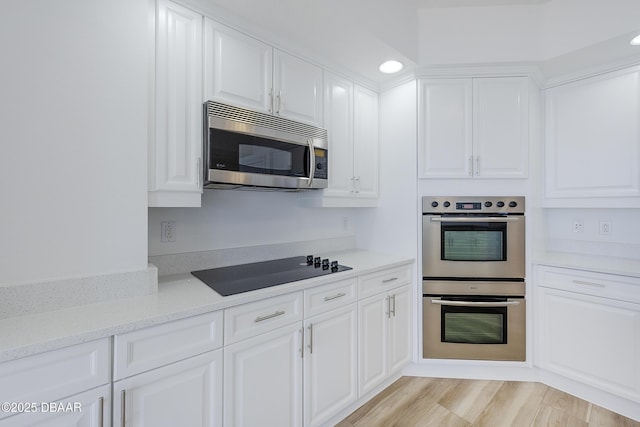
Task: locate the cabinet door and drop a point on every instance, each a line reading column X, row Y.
column 500, row 127
column 373, row 323
column 365, row 121
column 590, row 339
column 263, row 380
column 592, row 140
column 400, row 329
column 238, row 68
column 186, row 393
column 297, row 89
column 330, row 364
column 338, row 116
column 175, row 148
column 89, row 409
column 445, row 128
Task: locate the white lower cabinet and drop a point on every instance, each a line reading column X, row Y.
column 589, row 330
column 186, row 393
column 330, row 364
column 89, row 409
column 170, row 374
column 263, row 379
column 383, row 336
column 75, row 377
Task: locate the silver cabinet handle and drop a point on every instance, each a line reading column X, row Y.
column 470, row 165
column 271, row 100
column 310, row 327
column 336, row 296
column 475, row 219
column 101, row 412
column 393, row 279
column 595, row 285
column 477, row 170
column 388, row 307
column 269, row 316
column 123, row 418
column 475, row 303
column 279, row 101
column 357, row 184
column 393, row 311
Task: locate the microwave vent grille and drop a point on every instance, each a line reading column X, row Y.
column 268, row 121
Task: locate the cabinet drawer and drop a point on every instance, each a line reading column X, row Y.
column 149, row 348
column 248, row 320
column 327, row 297
column 382, row 281
column 623, row 288
column 51, row 376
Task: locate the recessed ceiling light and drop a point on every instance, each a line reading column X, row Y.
column 391, row 67
column 636, row 41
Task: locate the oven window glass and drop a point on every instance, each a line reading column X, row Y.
column 470, row 325
column 474, row 242
column 246, row 153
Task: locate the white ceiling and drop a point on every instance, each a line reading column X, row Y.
column 360, row 34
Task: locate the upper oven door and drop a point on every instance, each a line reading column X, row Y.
column 471, row 246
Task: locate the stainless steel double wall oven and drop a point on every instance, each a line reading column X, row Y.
column 473, row 268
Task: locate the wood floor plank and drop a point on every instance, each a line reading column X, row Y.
column 515, row 404
column 567, row 403
column 601, row 417
column 549, row 416
column 468, row 399
column 442, row 402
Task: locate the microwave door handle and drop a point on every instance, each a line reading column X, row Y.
column 474, row 219
column 475, row 303
column 312, row 162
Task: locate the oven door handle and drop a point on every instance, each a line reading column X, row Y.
column 475, row 303
column 474, row 219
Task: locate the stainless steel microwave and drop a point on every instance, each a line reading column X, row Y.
column 248, row 148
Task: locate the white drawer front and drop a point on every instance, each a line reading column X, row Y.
column 149, row 348
column 623, row 288
column 382, row 281
column 327, row 297
column 248, row 320
column 51, row 376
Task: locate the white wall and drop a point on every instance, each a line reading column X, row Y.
column 623, row 242
column 233, row 219
column 73, row 108
column 393, row 226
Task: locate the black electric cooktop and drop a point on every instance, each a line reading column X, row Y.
column 236, row 279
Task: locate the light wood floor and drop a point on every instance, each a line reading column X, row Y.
column 414, row 401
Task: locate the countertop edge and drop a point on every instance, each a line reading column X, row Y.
column 178, row 297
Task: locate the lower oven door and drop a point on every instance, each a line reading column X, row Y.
column 470, row 327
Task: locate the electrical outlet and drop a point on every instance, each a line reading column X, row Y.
column 578, row 226
column 605, row 227
column 168, row 231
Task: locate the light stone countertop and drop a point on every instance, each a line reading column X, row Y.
column 593, row 263
column 178, row 296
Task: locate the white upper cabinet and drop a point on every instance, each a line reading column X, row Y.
column 246, row 72
column 297, row 88
column 238, row 68
column 175, row 140
column 351, row 119
column 473, row 128
column 592, row 142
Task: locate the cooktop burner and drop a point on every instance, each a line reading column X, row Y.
column 236, row 279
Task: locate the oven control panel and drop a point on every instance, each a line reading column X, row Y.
column 473, row 204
